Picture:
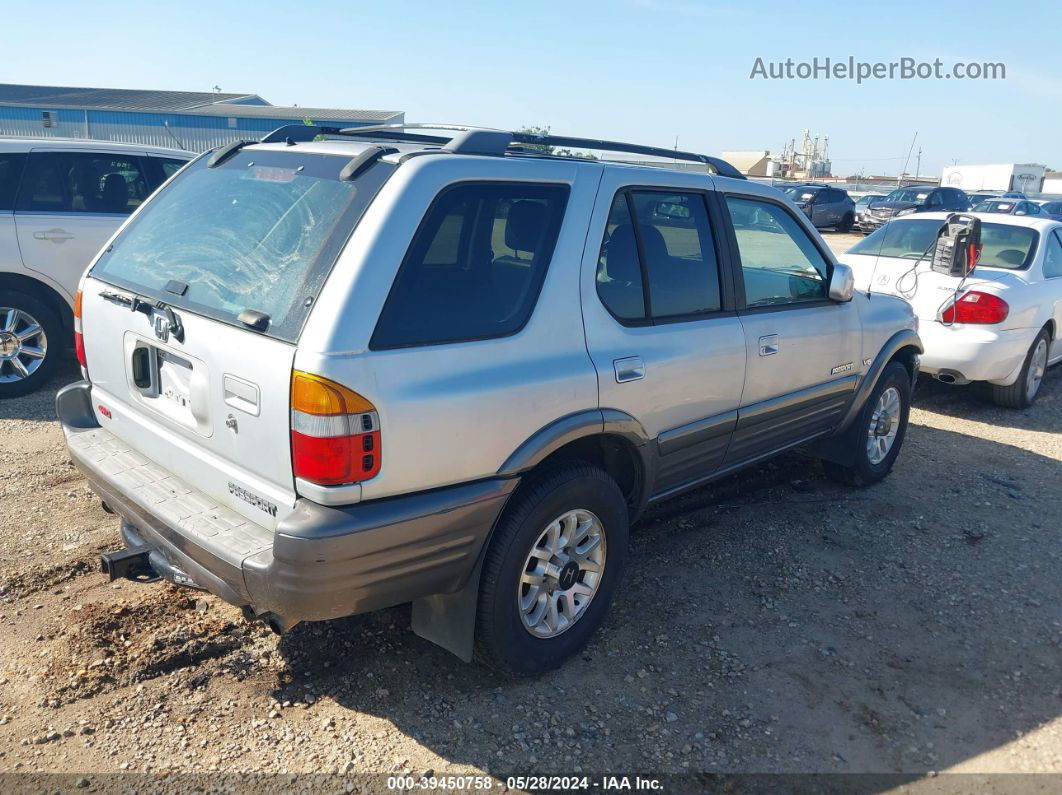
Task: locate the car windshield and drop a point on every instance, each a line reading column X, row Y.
column 864, row 200
column 907, row 195
column 993, row 207
column 1002, row 245
column 259, row 231
column 799, row 194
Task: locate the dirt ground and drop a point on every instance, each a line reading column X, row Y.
column 773, row 622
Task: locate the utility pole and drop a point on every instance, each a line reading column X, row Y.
column 899, row 179
column 918, row 163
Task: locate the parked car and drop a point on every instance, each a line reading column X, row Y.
column 325, row 377
column 862, row 206
column 905, row 201
column 1007, row 207
column 1050, row 208
column 1000, row 324
column 60, row 200
column 824, row 205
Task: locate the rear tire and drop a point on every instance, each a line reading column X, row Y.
column 878, row 431
column 31, row 343
column 1022, row 393
column 846, row 223
column 522, row 577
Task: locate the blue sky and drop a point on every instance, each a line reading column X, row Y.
column 642, row 70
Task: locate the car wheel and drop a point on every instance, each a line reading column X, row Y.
column 1022, row 393
column 879, row 430
column 552, row 566
column 846, row 223
column 30, row 343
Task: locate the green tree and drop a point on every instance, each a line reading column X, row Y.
column 546, row 149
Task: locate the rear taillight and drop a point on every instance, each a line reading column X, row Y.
column 79, row 340
column 335, row 432
column 977, row 308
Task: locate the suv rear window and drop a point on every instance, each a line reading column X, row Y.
column 476, row 265
column 10, row 174
column 260, row 231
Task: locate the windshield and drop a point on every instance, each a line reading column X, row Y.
column 865, row 200
column 993, row 207
column 259, row 231
column 907, row 195
column 1002, row 245
column 799, row 194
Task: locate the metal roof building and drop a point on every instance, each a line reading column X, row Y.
column 192, row 120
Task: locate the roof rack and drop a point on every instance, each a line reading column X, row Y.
column 486, row 141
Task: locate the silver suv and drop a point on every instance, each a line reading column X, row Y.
column 335, row 371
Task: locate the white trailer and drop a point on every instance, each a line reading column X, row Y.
column 1025, row 177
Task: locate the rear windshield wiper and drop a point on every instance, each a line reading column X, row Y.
column 138, row 304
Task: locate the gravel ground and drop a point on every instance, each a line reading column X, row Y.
column 773, row 622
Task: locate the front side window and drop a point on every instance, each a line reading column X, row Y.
column 668, row 247
column 82, row 182
column 475, row 267
column 779, row 262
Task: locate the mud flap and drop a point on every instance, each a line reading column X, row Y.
column 449, row 620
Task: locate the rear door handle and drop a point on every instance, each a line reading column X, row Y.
column 55, row 235
column 629, row 368
column 769, row 345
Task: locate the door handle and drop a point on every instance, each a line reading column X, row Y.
column 55, row 235
column 769, row 345
column 629, row 368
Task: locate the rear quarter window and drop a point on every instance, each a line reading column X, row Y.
column 11, row 164
column 475, row 267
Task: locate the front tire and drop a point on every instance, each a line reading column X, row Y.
column 1022, row 393
column 879, row 431
column 30, row 343
column 551, row 569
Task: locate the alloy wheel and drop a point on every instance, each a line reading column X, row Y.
column 562, row 573
column 884, row 424
column 23, row 345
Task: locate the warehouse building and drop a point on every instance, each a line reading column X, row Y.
column 191, row 120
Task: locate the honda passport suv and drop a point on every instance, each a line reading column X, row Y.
column 335, row 371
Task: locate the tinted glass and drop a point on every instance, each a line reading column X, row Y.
column 779, row 262
column 257, row 232
column 10, row 173
column 476, row 265
column 1002, row 245
column 680, row 260
column 619, row 272
column 908, row 195
column 82, row 182
column 1053, row 256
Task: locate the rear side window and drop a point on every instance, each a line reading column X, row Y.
column 10, row 173
column 669, row 250
column 476, row 265
column 82, row 182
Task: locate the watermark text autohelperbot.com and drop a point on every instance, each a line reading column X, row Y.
column 863, row 71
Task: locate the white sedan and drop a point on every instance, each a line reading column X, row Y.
column 1000, row 324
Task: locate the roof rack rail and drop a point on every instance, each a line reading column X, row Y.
column 487, row 141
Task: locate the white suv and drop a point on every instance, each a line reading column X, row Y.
column 60, row 200
column 330, row 376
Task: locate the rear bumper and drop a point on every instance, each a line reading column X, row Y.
column 969, row 353
column 321, row 563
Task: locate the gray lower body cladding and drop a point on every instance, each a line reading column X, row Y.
column 321, row 563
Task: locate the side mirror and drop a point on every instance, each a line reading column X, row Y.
column 958, row 246
column 842, row 284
